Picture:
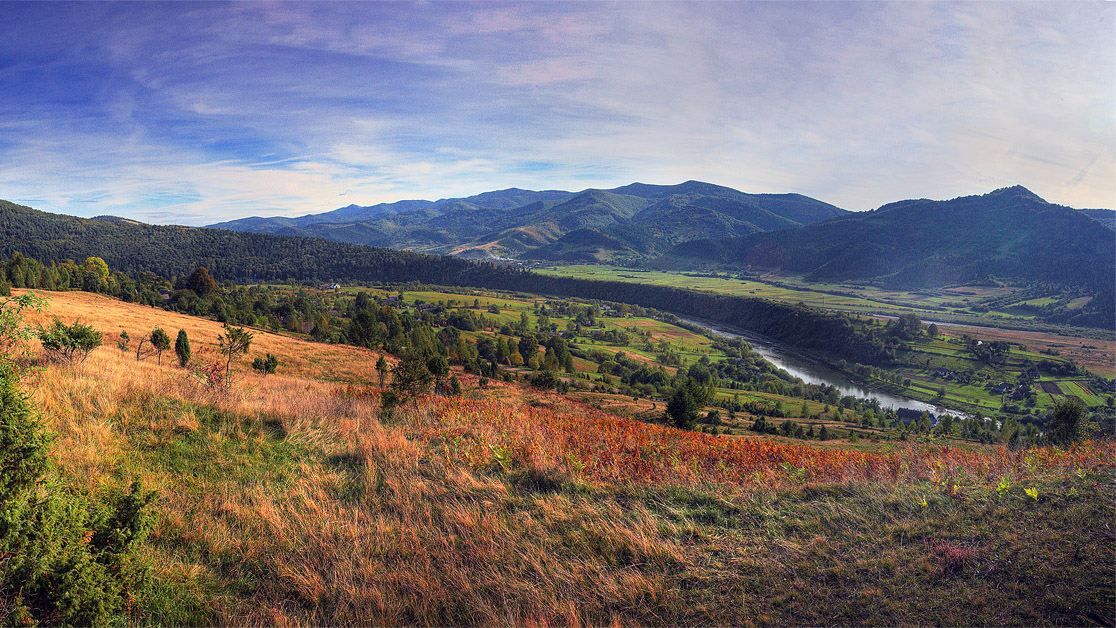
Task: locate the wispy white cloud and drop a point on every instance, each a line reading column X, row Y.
column 284, row 108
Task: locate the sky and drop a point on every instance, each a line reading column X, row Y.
column 196, row 113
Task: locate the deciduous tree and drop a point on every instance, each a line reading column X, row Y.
column 234, row 342
column 160, row 341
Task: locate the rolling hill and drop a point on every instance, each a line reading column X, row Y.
column 135, row 247
column 1009, row 234
column 628, row 222
column 294, row 498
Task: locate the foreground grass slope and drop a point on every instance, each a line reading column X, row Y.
column 294, row 499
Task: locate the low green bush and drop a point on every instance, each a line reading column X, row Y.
column 65, row 557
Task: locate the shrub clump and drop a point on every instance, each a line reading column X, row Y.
column 64, row 558
column 69, row 343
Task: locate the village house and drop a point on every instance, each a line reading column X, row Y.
column 1002, row 388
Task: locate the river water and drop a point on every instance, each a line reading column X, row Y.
column 814, row 372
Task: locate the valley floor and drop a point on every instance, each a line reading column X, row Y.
column 294, row 499
column 952, row 308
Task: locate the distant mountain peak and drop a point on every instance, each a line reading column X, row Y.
column 1016, row 191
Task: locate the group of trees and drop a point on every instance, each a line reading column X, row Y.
column 790, row 429
column 693, row 390
column 232, row 343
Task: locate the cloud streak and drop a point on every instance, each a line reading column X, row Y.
column 196, row 113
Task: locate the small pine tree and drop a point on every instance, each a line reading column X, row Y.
column 266, row 365
column 66, row 560
column 182, row 348
column 381, row 369
column 123, row 341
column 1067, row 421
column 411, row 377
column 438, row 366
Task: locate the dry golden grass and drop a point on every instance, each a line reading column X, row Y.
column 297, row 357
column 420, row 540
column 290, row 500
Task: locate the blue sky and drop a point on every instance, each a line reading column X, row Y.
column 195, row 113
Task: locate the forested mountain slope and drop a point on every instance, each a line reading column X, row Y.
column 1007, row 234
column 171, row 250
column 1106, row 217
column 629, row 221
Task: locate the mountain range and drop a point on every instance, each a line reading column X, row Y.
column 633, row 221
column 1009, row 233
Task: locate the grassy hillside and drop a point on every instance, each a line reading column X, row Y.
column 294, row 499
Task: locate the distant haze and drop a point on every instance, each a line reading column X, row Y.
column 197, row 113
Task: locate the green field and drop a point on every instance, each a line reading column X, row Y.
column 960, row 304
column 926, row 356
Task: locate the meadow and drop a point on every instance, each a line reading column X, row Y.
column 850, row 298
column 991, row 306
column 294, row 498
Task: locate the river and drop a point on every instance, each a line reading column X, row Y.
column 814, row 372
